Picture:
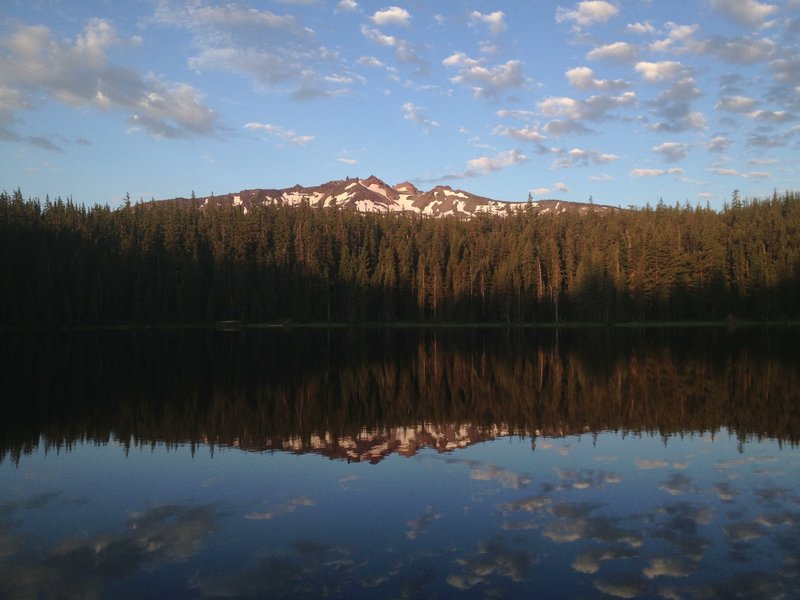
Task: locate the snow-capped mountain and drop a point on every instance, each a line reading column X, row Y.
column 371, row 195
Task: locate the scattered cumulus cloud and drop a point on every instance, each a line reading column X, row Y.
column 568, row 113
column 369, row 61
column 584, row 78
column 524, row 134
column 515, row 114
column 677, row 38
column 656, row 172
column 485, row 81
column 728, row 172
column 736, row 104
column 641, row 28
column 404, row 52
column 286, row 135
column 618, row 51
column 586, row 13
column 275, row 52
column 495, row 21
column 416, row 114
column 744, row 50
column 659, row 71
column 672, row 151
column 487, row 164
column 79, row 74
column 772, row 116
column 578, row 157
column 394, row 15
column 749, row 13
column 347, row 6
column 718, row 144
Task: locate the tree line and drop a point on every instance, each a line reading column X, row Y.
column 62, row 263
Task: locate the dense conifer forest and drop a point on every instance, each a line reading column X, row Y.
column 62, row 263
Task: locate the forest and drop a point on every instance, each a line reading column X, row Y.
column 63, row 264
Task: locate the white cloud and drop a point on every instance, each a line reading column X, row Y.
column 488, row 164
column 495, row 20
column 655, row 172
column 750, row 13
column 641, row 28
column 540, row 191
column 369, row 61
column 416, row 114
column 762, row 161
column 275, row 52
column 578, row 157
column 739, row 50
column 347, row 6
column 735, row 104
column 618, row 51
column 561, row 186
column 677, row 35
column 594, row 108
column 717, row 170
column 287, row 135
column 231, row 17
column 378, row 37
column 394, row 15
column 718, row 144
column 347, row 161
column 80, row 74
column 485, row 81
column 515, row 114
column 587, row 12
column 559, row 127
column 562, row 107
column 583, row 78
column 403, row 50
column 524, row 134
column 673, row 106
column 659, row 71
column 672, row 151
column 771, row 116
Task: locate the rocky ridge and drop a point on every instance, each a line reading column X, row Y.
column 372, row 195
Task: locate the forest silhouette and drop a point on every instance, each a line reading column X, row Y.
column 167, row 262
column 273, row 389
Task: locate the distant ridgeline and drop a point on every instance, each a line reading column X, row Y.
column 175, row 262
column 362, row 394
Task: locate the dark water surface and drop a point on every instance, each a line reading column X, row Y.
column 582, row 463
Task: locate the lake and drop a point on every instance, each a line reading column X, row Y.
column 372, row 463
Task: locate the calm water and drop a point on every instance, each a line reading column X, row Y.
column 570, row 464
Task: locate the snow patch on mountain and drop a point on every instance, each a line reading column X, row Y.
column 372, row 195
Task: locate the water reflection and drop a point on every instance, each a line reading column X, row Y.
column 364, row 395
column 385, row 465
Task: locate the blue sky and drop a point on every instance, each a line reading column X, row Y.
column 626, row 101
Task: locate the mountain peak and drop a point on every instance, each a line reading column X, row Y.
column 372, row 180
column 373, row 195
column 406, row 187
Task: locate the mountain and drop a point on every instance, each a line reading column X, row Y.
column 371, row 195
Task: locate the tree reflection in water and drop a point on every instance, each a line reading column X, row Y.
column 363, row 394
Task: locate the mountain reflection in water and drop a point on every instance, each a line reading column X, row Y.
column 363, row 394
column 577, row 463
